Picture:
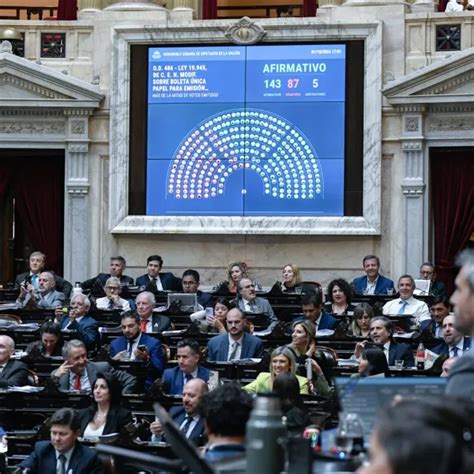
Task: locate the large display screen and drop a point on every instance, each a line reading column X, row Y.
column 255, row 130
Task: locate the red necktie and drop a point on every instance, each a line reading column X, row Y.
column 143, row 324
column 77, row 382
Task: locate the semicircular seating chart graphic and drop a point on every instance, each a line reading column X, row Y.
column 251, row 140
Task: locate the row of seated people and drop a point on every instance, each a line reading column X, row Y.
column 234, row 342
column 372, row 283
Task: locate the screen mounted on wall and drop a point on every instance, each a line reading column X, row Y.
column 247, row 131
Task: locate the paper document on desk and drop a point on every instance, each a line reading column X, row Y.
column 405, row 335
column 324, row 332
column 26, row 389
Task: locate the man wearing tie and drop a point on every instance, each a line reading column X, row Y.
column 12, row 372
column 188, row 355
column 155, row 279
column 135, row 345
column 187, row 417
column 149, row 320
column 249, row 302
column 407, row 304
column 80, row 322
column 46, row 297
column 455, row 343
column 439, row 310
column 79, row 374
column 236, row 344
column 381, row 333
column 63, row 454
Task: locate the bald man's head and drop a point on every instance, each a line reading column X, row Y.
column 7, row 347
column 193, row 392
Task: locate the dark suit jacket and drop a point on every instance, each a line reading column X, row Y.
column 153, row 345
column 438, row 288
column 100, row 280
column 62, row 285
column 204, row 299
column 117, row 418
column 461, row 377
column 443, row 348
column 383, row 284
column 168, row 281
column 173, row 379
column 14, row 373
column 218, row 347
column 127, row 382
column 42, row 460
column 403, row 352
column 197, row 434
column 161, row 323
column 327, row 321
column 428, row 325
column 86, row 328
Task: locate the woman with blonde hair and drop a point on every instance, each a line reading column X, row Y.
column 290, row 282
column 282, row 361
column 303, row 346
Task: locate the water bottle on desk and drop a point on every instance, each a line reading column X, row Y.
column 420, row 357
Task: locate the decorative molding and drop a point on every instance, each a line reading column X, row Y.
column 40, row 112
column 413, row 190
column 77, row 127
column 77, row 147
column 32, row 127
column 450, row 85
column 410, row 108
column 451, row 124
column 452, row 108
column 412, row 124
column 30, row 87
column 82, row 112
column 245, row 32
column 412, row 145
column 77, row 190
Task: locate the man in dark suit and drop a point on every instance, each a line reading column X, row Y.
column 77, row 373
column 373, row 283
column 155, row 279
column 190, row 283
column 439, row 310
column 455, row 343
column 428, row 272
column 381, row 333
column 37, row 263
column 186, row 417
column 188, row 368
column 312, row 306
column 150, row 321
column 236, row 344
column 135, row 345
column 46, row 297
column 12, row 372
column 461, row 374
column 117, row 267
column 77, row 320
column 63, row 453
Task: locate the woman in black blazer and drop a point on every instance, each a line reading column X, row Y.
column 105, row 415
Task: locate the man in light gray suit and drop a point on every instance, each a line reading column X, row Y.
column 45, row 298
column 78, row 373
column 461, row 374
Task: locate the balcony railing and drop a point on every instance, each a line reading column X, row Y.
column 268, row 10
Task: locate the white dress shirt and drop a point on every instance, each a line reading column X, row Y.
column 370, row 288
column 103, row 303
column 231, row 347
column 414, row 307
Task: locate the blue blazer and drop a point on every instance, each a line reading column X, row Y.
column 42, row 460
column 173, row 379
column 443, row 348
column 218, row 347
column 87, row 329
column 168, row 281
column 398, row 351
column 153, row 345
column 383, row 284
column 197, row 435
column 428, row 325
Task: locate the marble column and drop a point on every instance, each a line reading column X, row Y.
column 89, row 5
column 76, row 206
column 329, row 3
column 413, row 189
column 183, row 4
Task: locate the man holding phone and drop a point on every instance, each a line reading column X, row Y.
column 138, row 346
